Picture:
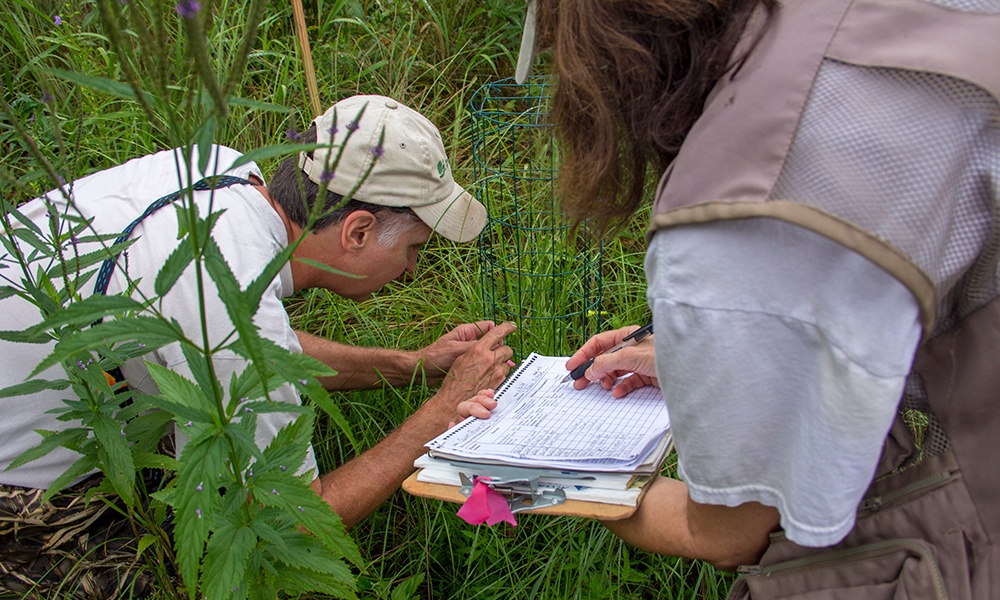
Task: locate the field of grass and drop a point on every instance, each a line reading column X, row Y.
column 432, row 56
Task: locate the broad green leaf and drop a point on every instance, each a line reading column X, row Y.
column 25, row 337
column 83, row 466
column 288, row 449
column 150, row 460
column 34, row 386
column 50, row 441
column 116, row 456
column 305, row 581
column 226, row 560
column 293, row 495
column 204, row 138
column 301, row 550
column 176, row 388
column 147, row 429
column 173, row 267
column 183, row 412
column 203, row 376
column 153, row 332
column 194, row 499
column 89, row 310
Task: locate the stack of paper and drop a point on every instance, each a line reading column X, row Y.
column 590, row 444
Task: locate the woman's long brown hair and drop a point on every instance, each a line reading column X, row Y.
column 633, row 78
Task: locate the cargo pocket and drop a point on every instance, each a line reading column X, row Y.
column 902, row 569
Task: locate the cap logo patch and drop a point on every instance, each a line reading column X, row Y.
column 442, row 168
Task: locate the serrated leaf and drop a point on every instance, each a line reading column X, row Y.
column 116, row 456
column 153, row 332
column 50, row 441
column 304, row 581
column 226, row 560
column 87, row 311
column 301, row 550
column 34, row 386
column 81, row 467
column 173, row 267
column 178, row 391
column 198, row 363
column 194, row 499
column 293, row 495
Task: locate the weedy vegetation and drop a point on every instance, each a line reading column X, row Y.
column 88, row 84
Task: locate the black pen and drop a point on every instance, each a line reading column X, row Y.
column 629, row 340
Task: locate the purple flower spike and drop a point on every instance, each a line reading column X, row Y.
column 47, row 98
column 332, row 130
column 353, row 126
column 188, row 8
column 326, row 176
column 57, row 20
column 293, row 135
column 378, row 151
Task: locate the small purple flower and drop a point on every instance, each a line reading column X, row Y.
column 197, row 511
column 301, row 509
column 274, row 491
column 247, row 409
column 199, row 488
column 326, row 176
column 188, row 8
column 123, row 433
column 332, row 130
column 188, row 424
column 80, row 364
column 250, row 473
column 304, row 381
column 141, row 345
column 353, row 126
column 378, row 151
column 284, row 468
column 293, row 135
column 57, row 20
column 47, row 98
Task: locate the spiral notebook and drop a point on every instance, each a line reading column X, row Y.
column 598, row 449
column 541, row 422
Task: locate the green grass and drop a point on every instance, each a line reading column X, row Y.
column 433, row 56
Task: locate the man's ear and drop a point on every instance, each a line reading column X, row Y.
column 358, row 230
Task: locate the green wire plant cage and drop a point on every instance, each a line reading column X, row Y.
column 535, row 271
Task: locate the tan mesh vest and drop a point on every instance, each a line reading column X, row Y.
column 731, row 165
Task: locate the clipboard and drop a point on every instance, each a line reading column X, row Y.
column 551, row 449
column 568, row 508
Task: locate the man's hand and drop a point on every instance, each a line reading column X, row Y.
column 438, row 357
column 640, row 360
column 483, row 365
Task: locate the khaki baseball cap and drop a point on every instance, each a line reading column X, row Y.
column 398, row 157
